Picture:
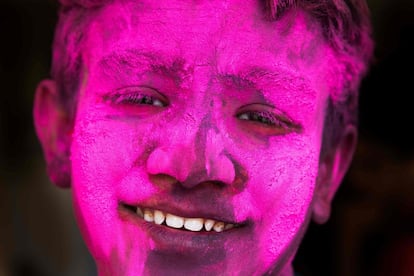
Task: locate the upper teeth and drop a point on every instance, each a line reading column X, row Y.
column 192, row 224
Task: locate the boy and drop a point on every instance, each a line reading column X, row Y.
column 201, row 137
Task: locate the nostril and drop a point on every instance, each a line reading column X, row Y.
column 217, row 183
column 162, row 180
column 201, row 179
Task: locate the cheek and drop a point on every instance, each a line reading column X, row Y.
column 103, row 154
column 279, row 194
column 274, row 181
column 283, row 164
column 105, row 151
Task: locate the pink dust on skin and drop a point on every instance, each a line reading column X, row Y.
column 210, row 64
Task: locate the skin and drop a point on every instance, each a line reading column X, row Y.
column 202, row 152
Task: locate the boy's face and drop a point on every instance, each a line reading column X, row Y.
column 198, row 109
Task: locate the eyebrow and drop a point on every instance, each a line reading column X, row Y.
column 257, row 76
column 137, row 61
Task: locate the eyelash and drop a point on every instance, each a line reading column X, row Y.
column 139, row 99
column 134, row 97
column 266, row 118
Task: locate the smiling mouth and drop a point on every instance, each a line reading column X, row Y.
column 181, row 223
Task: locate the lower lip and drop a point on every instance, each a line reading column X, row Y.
column 186, row 242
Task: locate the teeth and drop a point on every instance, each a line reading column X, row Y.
column 158, row 217
column 218, row 226
column 191, row 224
column 174, row 221
column 228, row 226
column 139, row 212
column 208, row 224
column 148, row 215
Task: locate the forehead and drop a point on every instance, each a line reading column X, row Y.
column 231, row 27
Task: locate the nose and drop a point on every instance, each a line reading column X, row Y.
column 194, row 156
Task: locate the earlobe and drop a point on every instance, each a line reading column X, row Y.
column 53, row 128
column 322, row 203
column 332, row 169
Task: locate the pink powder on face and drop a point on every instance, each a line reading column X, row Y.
column 199, row 110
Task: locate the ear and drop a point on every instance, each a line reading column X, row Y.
column 332, row 168
column 54, row 130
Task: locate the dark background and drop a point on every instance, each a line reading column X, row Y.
column 371, row 231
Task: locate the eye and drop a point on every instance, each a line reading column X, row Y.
column 266, row 119
column 138, row 96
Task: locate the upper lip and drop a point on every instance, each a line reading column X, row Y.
column 188, row 209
